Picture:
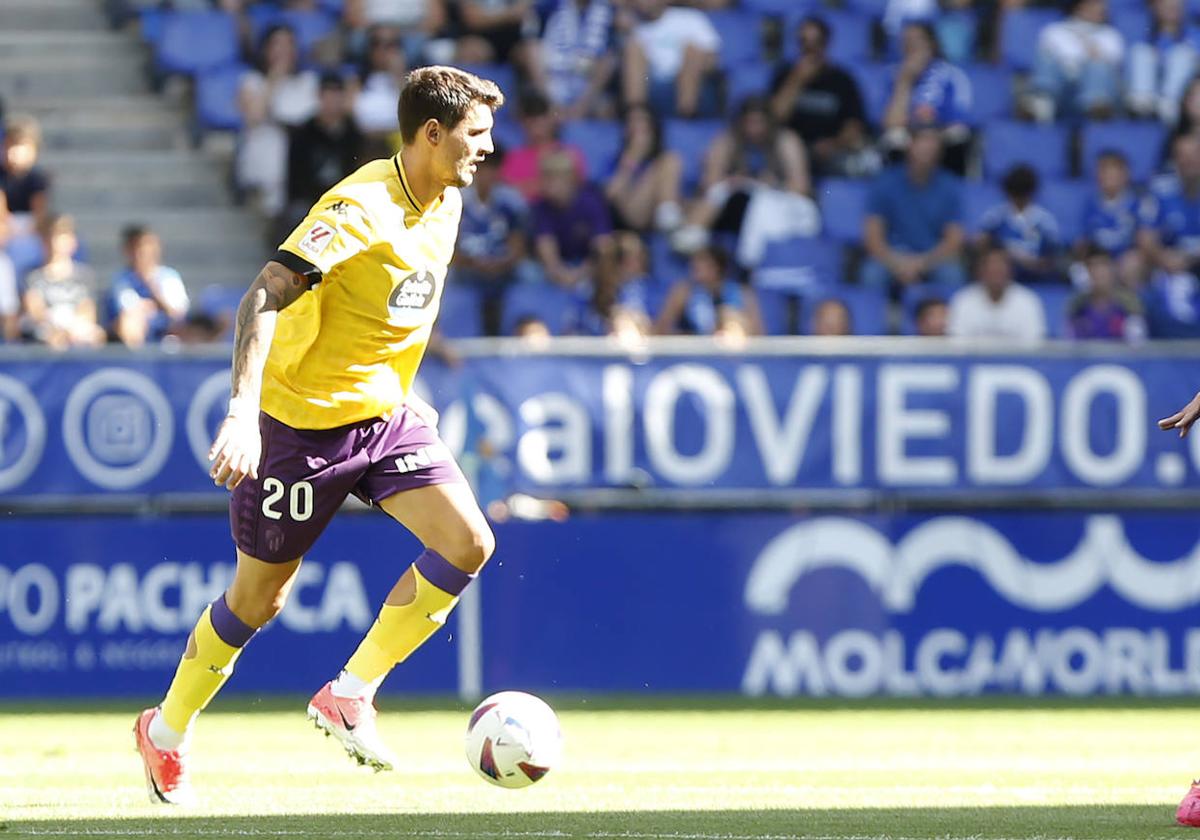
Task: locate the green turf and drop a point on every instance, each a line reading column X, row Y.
column 695, row 773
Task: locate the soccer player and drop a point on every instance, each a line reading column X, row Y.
column 1188, row 812
column 329, row 337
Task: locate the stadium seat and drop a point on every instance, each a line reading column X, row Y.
column 552, row 304
column 776, row 307
column 461, row 312
column 150, row 24
column 850, row 35
column 1132, row 22
column 741, row 36
column 601, row 143
column 1141, row 143
column 1019, row 36
column 875, row 83
column 799, row 265
column 503, row 75
column 978, row 198
column 747, row 80
column 1054, row 299
column 843, row 208
column 691, row 139
column 1065, row 200
column 193, row 42
column 220, row 302
column 1007, row 143
column 217, row 98
column 991, row 92
column 780, row 7
column 309, row 26
column 666, row 265
column 507, row 132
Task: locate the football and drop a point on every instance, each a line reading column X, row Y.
column 513, row 739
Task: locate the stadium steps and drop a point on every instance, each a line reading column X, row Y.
column 117, row 152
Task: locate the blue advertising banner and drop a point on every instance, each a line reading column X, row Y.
column 874, row 419
column 765, row 604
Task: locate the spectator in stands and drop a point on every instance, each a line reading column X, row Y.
column 1028, row 231
column 274, row 95
column 618, row 303
column 831, row 317
column 574, row 61
column 26, row 184
column 748, row 159
column 927, row 90
column 707, row 302
column 1104, row 309
column 347, row 43
column 645, row 189
column 522, row 166
column 1161, row 67
column 822, row 104
column 380, row 76
column 418, row 21
column 572, row 226
column 913, row 231
column 1110, row 217
column 1170, row 215
column 10, row 297
column 532, row 329
column 668, row 58
column 1189, row 111
column 60, row 303
column 147, row 299
column 931, row 316
column 496, row 31
column 1078, row 66
column 323, row 150
column 995, row 306
column 492, row 247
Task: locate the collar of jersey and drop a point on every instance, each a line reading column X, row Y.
column 409, row 196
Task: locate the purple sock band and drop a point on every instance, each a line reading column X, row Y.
column 442, row 573
column 231, row 629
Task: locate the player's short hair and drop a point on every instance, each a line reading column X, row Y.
column 23, row 128
column 444, row 94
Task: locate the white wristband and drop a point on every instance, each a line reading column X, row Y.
column 242, row 407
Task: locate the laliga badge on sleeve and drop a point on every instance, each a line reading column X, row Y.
column 317, row 239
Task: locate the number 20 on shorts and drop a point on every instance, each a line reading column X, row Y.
column 300, row 499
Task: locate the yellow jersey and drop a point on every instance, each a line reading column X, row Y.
column 348, row 349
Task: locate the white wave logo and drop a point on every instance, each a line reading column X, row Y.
column 896, row 573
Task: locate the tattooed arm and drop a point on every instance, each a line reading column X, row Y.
column 237, row 449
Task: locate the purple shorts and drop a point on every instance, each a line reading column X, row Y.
column 306, row 474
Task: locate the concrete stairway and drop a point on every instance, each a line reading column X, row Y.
column 117, row 152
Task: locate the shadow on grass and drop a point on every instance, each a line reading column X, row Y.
column 1108, row 822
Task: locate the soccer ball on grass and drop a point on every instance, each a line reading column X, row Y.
column 513, row 739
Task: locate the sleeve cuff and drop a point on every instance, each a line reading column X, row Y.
column 299, row 265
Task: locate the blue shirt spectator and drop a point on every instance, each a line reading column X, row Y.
column 491, row 233
column 915, row 214
column 707, row 302
column 577, row 54
column 1111, row 223
column 146, row 299
column 941, row 95
column 1027, row 231
column 1170, row 214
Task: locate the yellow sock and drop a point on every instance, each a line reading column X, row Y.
column 206, row 664
column 401, row 629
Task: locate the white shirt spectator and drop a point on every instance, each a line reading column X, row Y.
column 375, row 105
column 405, row 13
column 10, row 299
column 1017, row 316
column 293, row 100
column 1071, row 42
column 664, row 40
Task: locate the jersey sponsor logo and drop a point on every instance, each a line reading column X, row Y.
column 317, row 239
column 414, row 292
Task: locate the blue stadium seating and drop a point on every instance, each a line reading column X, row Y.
column 461, row 312
column 1132, row 22
column 843, row 208
column 978, row 198
column 601, row 144
column 850, row 40
column 1142, row 143
column 503, row 75
column 666, row 265
column 309, row 26
column 775, row 307
column 741, row 37
column 1007, row 143
column 217, row 98
column 991, row 92
column 875, row 85
column 780, row 7
column 507, row 132
column 150, row 23
column 193, row 42
column 1019, row 35
column 747, row 80
column 1054, row 301
column 1065, row 201
column 799, row 265
column 691, row 139
column 220, row 301
column 552, row 304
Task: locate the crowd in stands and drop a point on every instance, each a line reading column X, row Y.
column 1013, row 169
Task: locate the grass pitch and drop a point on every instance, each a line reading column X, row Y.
column 725, row 772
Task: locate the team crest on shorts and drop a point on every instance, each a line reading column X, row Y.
column 413, row 293
column 317, row 239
